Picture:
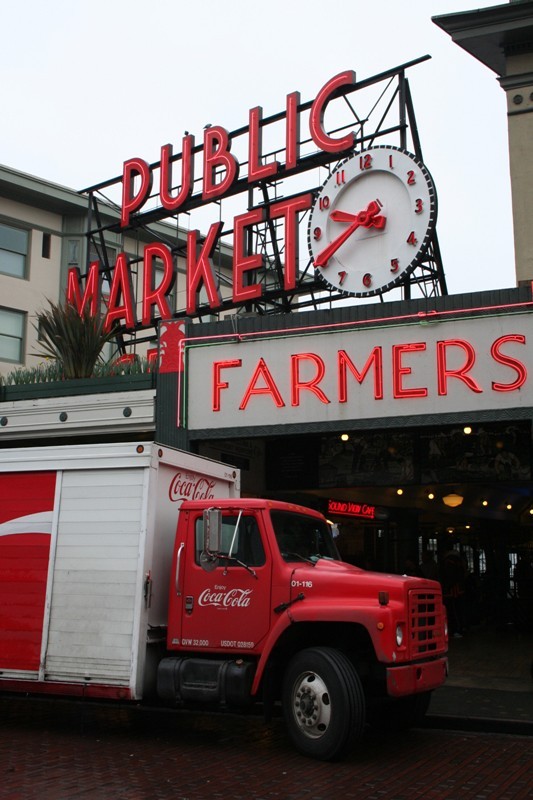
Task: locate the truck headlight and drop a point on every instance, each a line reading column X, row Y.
column 399, row 635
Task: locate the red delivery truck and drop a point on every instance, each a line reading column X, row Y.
column 136, row 572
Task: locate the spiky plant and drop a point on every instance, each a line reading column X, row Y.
column 74, row 340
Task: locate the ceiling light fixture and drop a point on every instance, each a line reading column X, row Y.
column 399, row 491
column 452, row 500
column 344, row 437
column 431, row 496
column 467, row 430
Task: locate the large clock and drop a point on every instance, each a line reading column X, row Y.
column 372, row 221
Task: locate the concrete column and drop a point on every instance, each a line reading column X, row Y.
column 518, row 86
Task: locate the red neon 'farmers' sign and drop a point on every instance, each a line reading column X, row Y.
column 402, row 360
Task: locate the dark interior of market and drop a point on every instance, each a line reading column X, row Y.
column 393, row 495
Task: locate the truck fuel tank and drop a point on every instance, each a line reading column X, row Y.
column 201, row 680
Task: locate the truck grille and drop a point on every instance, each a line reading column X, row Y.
column 426, row 623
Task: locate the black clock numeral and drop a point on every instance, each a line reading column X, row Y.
column 411, row 239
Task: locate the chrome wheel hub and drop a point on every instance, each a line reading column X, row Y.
column 311, row 705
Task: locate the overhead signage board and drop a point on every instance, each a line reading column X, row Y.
column 321, row 375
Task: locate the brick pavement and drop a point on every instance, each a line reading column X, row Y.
column 65, row 751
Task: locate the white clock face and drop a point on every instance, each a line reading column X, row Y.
column 372, row 221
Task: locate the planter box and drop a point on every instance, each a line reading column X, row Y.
column 78, row 386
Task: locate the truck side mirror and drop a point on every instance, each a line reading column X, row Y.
column 212, row 535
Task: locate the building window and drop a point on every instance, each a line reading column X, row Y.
column 47, row 241
column 13, row 251
column 12, row 325
column 73, row 252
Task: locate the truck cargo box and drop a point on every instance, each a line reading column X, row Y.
column 86, row 538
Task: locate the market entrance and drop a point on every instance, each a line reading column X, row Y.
column 402, row 499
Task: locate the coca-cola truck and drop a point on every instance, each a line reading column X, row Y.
column 135, row 572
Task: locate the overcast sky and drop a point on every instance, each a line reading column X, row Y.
column 87, row 84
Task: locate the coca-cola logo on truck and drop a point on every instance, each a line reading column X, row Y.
column 189, row 486
column 225, row 598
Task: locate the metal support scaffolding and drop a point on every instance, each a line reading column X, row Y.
column 389, row 118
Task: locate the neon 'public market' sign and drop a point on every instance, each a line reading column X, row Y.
column 221, row 170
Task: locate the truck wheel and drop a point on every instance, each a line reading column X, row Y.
column 323, row 703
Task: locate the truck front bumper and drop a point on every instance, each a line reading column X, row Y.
column 414, row 678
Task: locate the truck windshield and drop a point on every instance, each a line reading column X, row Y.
column 303, row 538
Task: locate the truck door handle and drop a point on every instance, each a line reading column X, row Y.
column 178, row 566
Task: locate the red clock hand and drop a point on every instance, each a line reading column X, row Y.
column 343, row 216
column 367, row 219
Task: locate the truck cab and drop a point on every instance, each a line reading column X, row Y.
column 261, row 608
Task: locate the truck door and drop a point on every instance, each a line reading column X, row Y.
column 229, row 606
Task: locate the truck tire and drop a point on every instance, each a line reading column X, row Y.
column 323, row 703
